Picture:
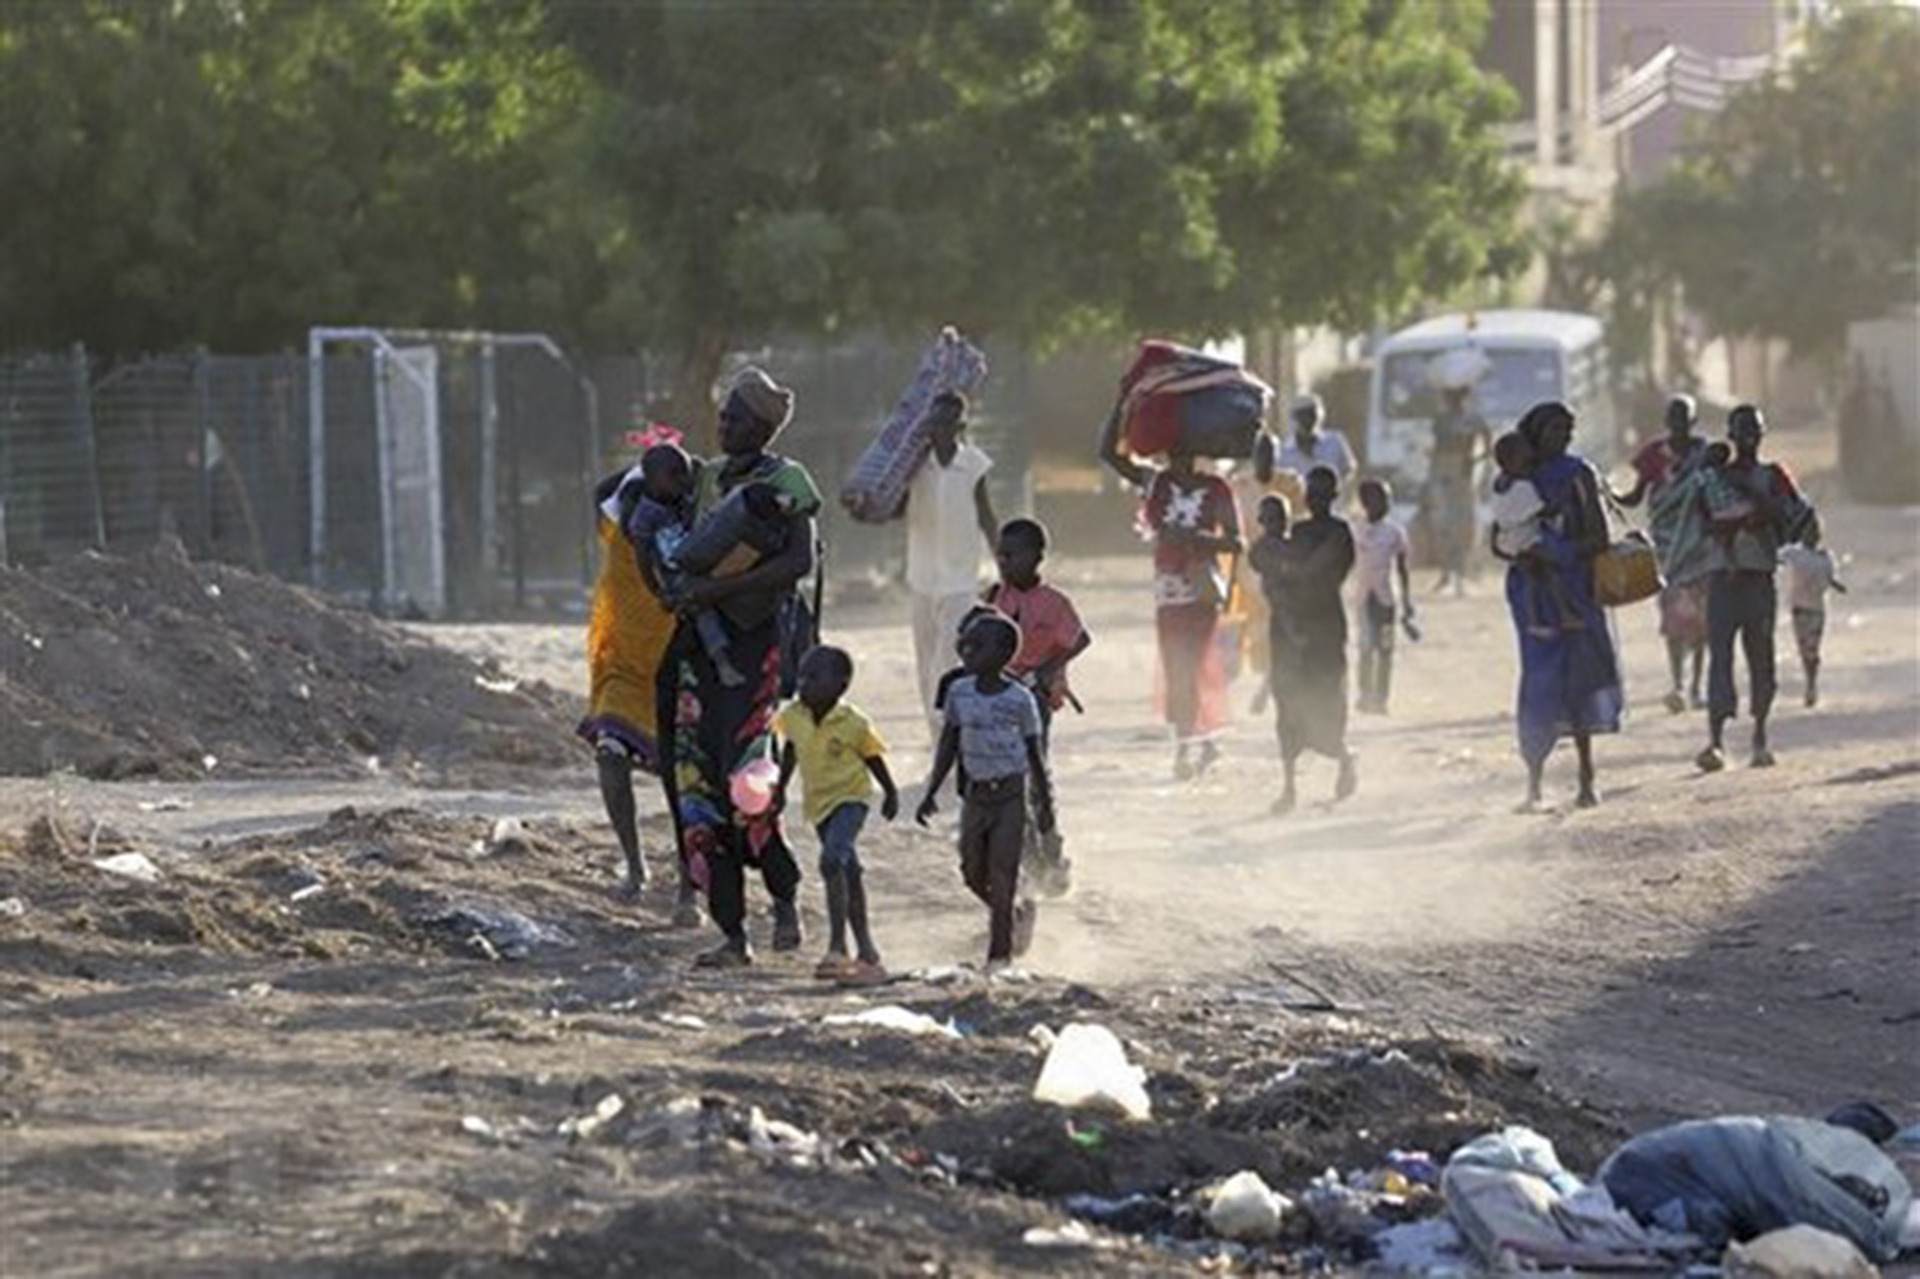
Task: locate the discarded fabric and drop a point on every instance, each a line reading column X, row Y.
column 1517, row 1149
column 1738, row 1177
column 1433, row 1247
column 1506, row 1213
column 506, row 933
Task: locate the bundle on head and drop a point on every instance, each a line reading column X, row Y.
column 1174, row 399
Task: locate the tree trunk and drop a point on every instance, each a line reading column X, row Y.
column 690, row 403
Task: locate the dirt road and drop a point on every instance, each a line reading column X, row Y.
column 1697, row 943
column 212, row 1076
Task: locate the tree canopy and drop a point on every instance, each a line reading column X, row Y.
column 688, row 177
column 1797, row 210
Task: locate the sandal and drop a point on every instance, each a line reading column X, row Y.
column 728, row 954
column 864, row 972
column 833, row 966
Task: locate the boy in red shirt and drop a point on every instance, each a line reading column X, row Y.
column 1051, row 636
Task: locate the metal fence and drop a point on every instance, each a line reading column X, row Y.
column 221, row 453
column 425, row 474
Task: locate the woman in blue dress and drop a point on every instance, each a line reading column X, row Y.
column 1569, row 676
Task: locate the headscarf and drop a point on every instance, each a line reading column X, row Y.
column 1533, row 424
column 761, row 396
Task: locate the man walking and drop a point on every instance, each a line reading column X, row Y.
column 950, row 521
column 1313, row 443
column 1761, row 509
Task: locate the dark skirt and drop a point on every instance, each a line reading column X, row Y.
column 1310, row 689
column 717, row 730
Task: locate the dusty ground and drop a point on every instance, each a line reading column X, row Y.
column 208, row 1076
column 152, row 666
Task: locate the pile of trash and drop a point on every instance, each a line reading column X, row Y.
column 156, row 666
column 1122, row 1157
column 1775, row 1196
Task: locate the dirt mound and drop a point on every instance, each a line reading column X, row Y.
column 387, row 884
column 154, row 665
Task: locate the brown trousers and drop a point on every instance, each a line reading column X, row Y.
column 993, row 832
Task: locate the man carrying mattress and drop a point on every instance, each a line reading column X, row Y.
column 950, row 521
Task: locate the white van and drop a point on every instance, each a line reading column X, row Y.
column 1526, row 357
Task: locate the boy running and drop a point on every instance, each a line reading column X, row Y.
column 993, row 726
column 1810, row 572
column 839, row 757
column 1380, row 562
column 1051, row 633
column 1051, row 636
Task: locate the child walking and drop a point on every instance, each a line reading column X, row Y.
column 1051, row 636
column 839, row 757
column 1810, row 572
column 1380, row 561
column 1519, row 515
column 992, row 725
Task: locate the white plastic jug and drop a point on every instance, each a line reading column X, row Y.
column 1088, row 1069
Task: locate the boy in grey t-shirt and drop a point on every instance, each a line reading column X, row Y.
column 992, row 727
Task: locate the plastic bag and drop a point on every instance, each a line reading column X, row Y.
column 1088, row 1069
column 1244, row 1207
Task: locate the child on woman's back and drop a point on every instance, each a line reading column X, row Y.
column 1519, row 516
column 658, row 527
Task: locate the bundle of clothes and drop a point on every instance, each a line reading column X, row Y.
column 1174, row 399
column 1759, row 1185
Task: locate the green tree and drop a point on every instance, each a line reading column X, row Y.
column 231, row 172
column 1032, row 168
column 694, row 177
column 1798, row 209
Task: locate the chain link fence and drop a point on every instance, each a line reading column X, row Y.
column 442, row 475
column 221, row 453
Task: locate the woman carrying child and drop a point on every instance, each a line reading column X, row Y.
column 1662, row 471
column 1569, row 676
column 723, row 733
column 629, row 641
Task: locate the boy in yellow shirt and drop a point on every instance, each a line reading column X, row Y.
column 839, row 757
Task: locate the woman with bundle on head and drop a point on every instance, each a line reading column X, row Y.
column 1569, row 675
column 1194, row 523
column 725, row 768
